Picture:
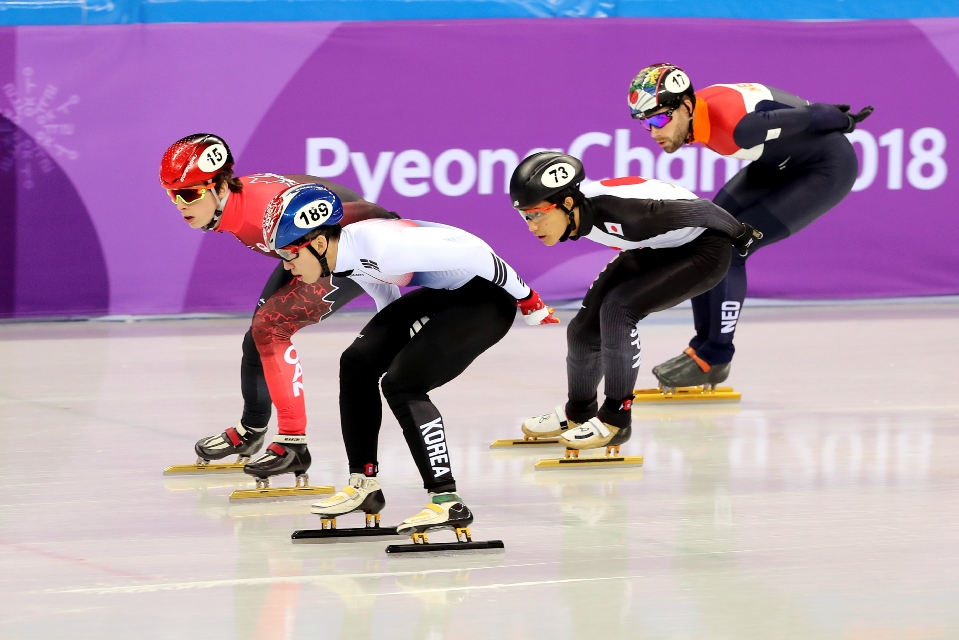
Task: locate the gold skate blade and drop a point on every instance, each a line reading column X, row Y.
column 687, row 394
column 279, row 493
column 590, row 463
column 202, row 470
column 532, row 444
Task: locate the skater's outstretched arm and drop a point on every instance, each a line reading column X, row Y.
column 782, row 121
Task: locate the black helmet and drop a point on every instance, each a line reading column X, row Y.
column 542, row 175
column 658, row 85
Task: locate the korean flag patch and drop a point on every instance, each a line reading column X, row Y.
column 614, row 228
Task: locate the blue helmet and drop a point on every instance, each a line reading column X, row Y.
column 295, row 212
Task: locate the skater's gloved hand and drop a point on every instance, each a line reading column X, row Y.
column 744, row 241
column 854, row 118
column 535, row 310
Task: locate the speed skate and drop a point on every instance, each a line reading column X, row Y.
column 555, row 428
column 445, row 512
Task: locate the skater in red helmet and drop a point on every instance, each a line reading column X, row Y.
column 197, row 173
column 801, row 167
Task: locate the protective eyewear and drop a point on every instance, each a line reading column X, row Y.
column 292, row 252
column 534, row 214
column 659, row 120
column 188, row 195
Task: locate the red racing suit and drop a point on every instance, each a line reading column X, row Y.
column 285, row 309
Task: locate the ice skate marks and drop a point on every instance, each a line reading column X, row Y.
column 687, row 394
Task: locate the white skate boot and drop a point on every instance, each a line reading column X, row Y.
column 594, row 434
column 444, row 511
column 361, row 494
column 546, row 425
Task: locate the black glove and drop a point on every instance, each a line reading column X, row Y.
column 745, row 240
column 854, row 118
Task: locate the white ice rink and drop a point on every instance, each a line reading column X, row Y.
column 825, row 505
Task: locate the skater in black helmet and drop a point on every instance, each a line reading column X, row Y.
column 673, row 246
column 802, row 166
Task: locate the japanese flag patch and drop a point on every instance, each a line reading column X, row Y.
column 614, row 228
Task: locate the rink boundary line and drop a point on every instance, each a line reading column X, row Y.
column 212, row 584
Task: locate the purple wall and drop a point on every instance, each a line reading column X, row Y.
column 415, row 116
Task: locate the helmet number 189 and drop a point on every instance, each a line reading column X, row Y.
column 313, row 215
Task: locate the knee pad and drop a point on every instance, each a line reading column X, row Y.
column 250, row 354
column 262, row 329
column 397, row 394
column 354, row 367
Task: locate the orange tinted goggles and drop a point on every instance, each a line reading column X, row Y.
column 535, row 213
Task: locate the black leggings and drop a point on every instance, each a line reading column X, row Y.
column 603, row 339
column 778, row 203
column 257, row 405
column 421, row 341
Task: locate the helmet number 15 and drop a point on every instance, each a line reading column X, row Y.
column 214, row 155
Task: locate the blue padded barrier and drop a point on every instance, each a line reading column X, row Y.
column 49, row 12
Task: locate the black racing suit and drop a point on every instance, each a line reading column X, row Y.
column 675, row 246
column 802, row 166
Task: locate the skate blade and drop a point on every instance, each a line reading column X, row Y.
column 687, row 394
column 445, row 547
column 358, row 534
column 280, row 493
column 202, row 470
column 533, row 444
column 590, row 463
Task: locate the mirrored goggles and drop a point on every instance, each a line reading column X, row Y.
column 659, row 120
column 291, row 252
column 188, row 195
column 535, row 214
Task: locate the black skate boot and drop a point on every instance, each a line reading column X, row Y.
column 688, row 370
column 239, row 440
column 286, row 454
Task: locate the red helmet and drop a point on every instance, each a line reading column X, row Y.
column 194, row 160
